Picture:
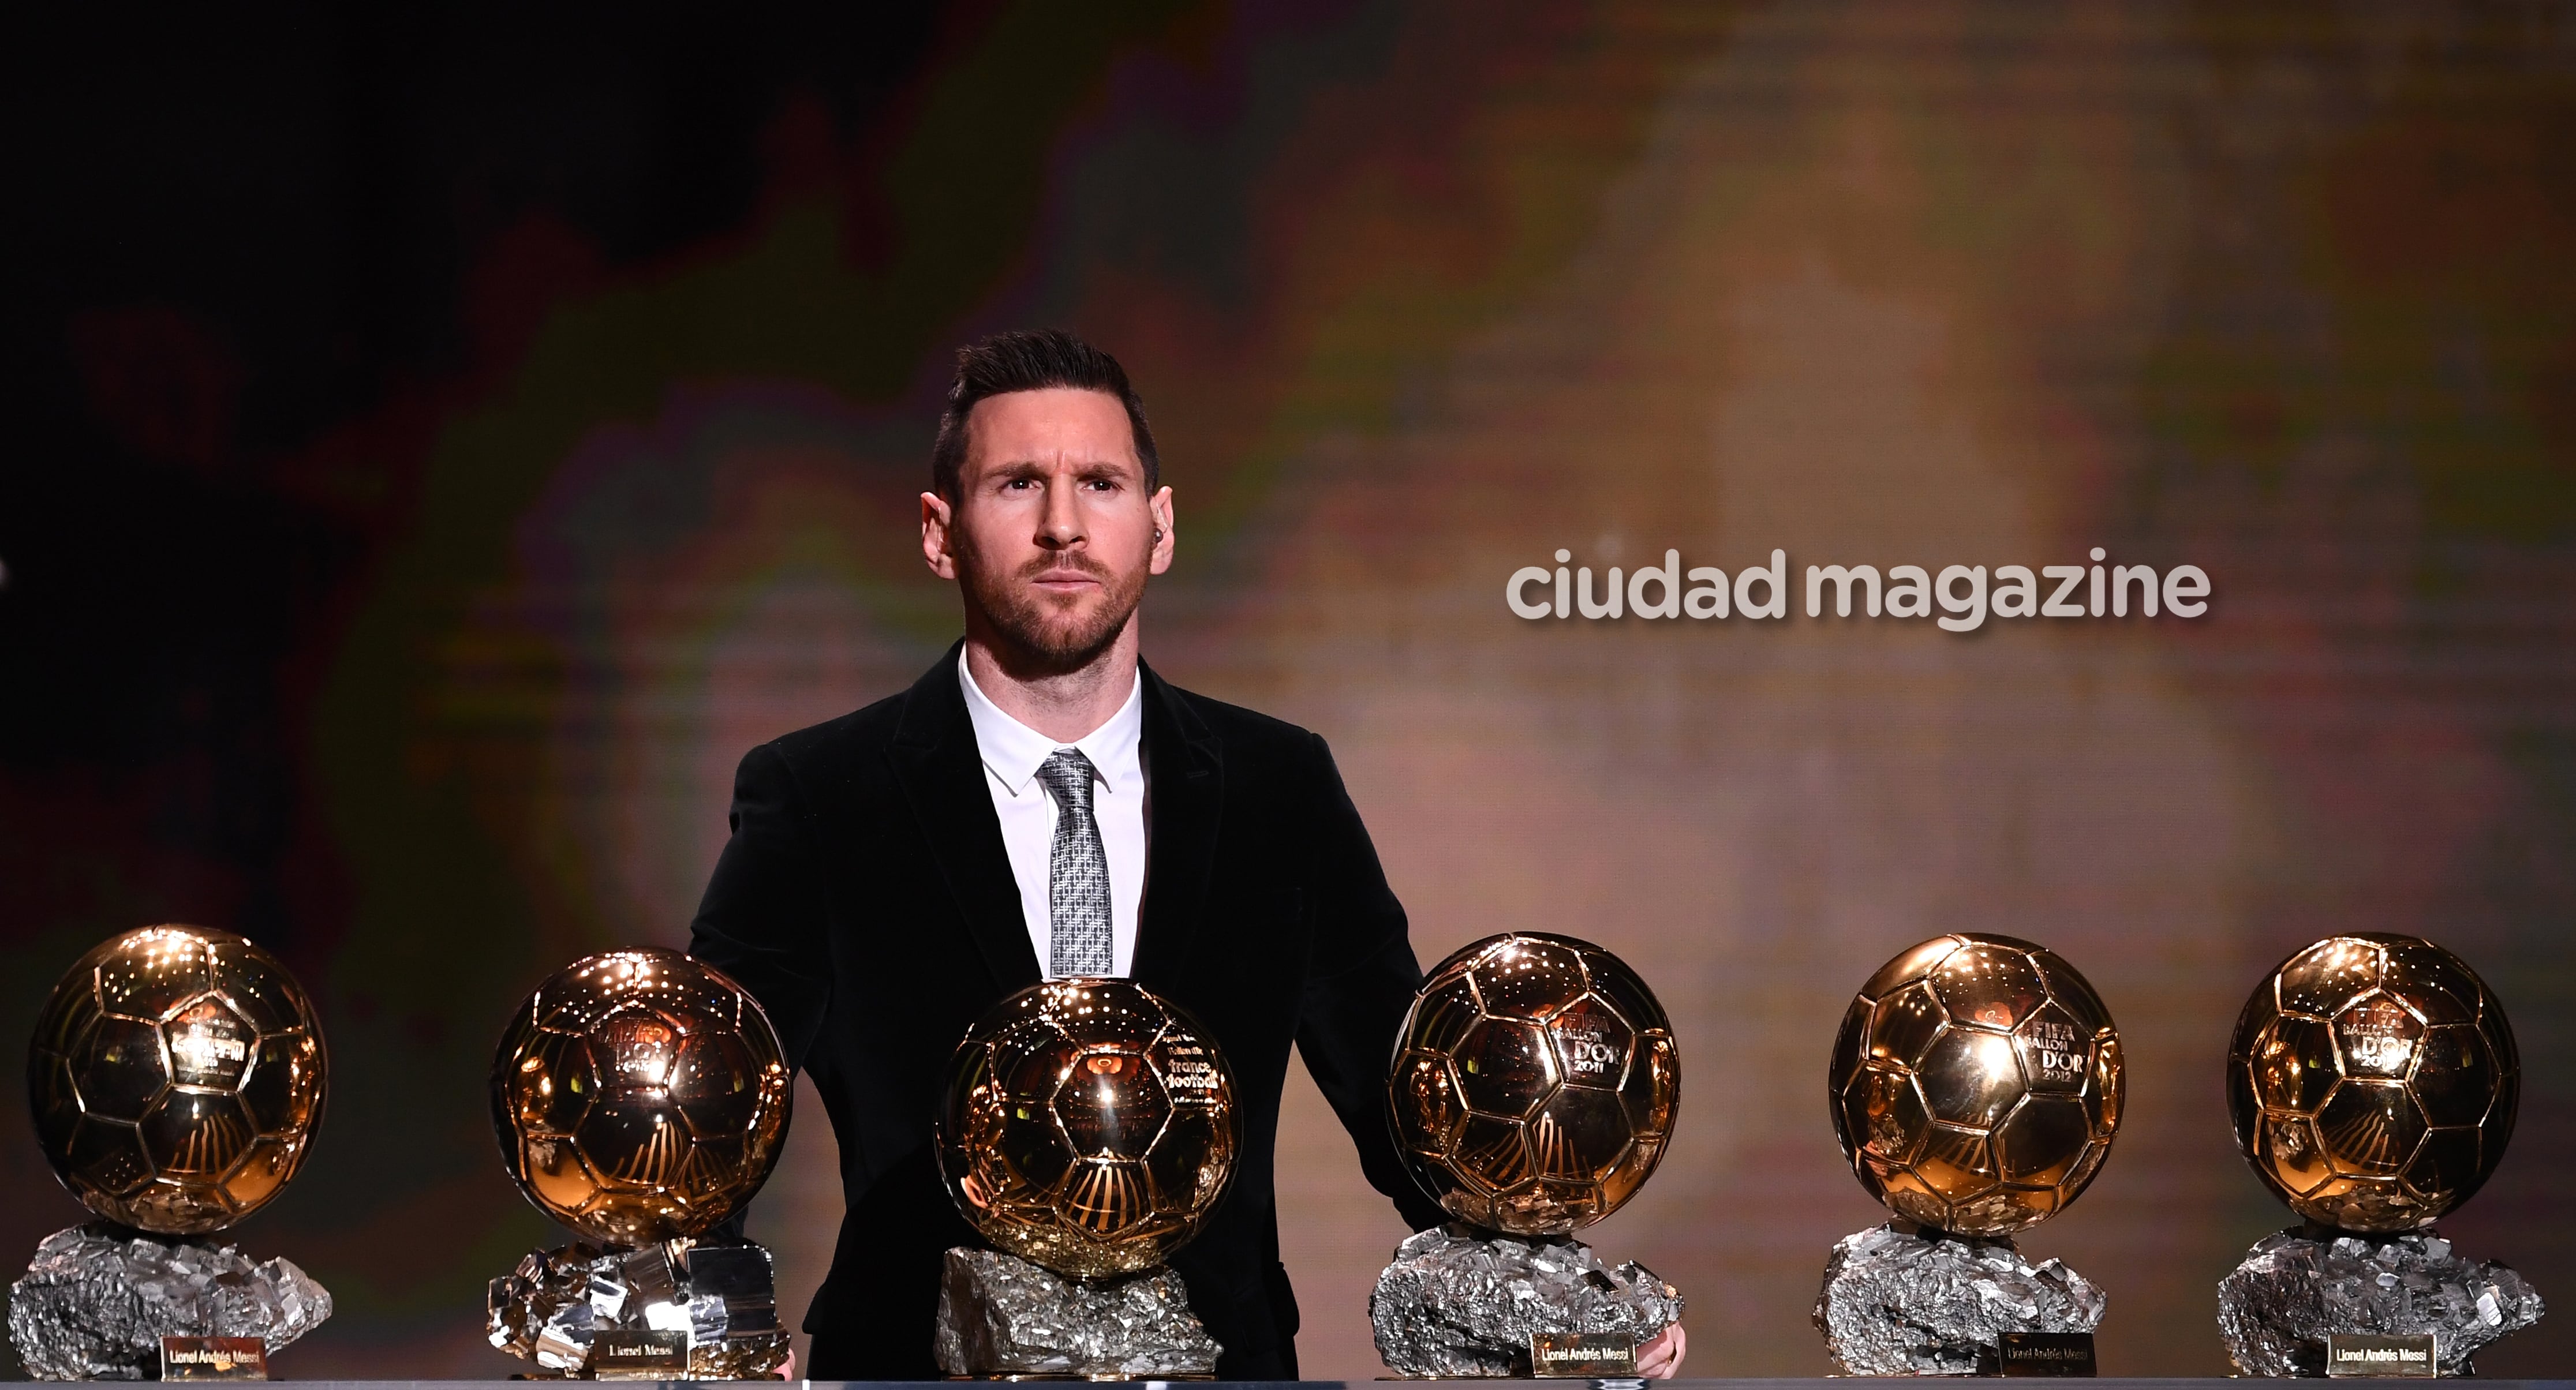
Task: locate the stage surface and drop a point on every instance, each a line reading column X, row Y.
column 1750, row 1383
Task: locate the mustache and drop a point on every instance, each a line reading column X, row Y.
column 1066, row 563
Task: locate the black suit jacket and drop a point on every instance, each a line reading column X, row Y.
column 866, row 900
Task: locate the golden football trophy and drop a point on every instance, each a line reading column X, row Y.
column 1975, row 1087
column 1532, row 1093
column 177, row 1076
column 2372, row 1081
column 1086, row 1129
column 640, row 1097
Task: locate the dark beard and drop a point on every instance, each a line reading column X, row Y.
column 1041, row 640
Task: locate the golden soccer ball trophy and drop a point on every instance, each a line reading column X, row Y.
column 1976, row 1084
column 1535, row 1084
column 176, row 1076
column 2372, row 1081
column 640, row 1096
column 1087, row 1128
column 1975, row 1088
column 1533, row 1091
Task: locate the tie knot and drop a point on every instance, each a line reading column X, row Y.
column 1067, row 774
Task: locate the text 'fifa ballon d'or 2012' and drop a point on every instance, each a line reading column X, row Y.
column 1960, row 597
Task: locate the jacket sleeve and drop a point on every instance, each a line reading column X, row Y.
column 1359, row 984
column 761, row 920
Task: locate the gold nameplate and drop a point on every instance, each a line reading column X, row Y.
column 1582, row 1355
column 624, row 1355
column 2045, row 1354
column 214, row 1358
column 2357, row 1354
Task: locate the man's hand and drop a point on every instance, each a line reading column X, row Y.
column 1661, row 1357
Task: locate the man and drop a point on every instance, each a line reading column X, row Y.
column 1041, row 804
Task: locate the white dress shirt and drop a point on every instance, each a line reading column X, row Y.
column 1012, row 753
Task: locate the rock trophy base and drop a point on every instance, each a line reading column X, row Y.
column 1463, row 1302
column 1903, row 1300
column 1001, row 1317
column 721, row 1298
column 2295, row 1287
column 97, row 1300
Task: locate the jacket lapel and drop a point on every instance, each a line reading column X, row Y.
column 934, row 760
column 1185, row 772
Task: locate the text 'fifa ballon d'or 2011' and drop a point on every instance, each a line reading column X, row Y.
column 1960, row 597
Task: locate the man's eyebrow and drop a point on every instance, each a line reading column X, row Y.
column 1089, row 468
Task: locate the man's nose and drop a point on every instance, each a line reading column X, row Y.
column 1061, row 523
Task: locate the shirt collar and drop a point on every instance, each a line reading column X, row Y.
column 1013, row 751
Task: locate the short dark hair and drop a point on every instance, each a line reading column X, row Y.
column 1031, row 360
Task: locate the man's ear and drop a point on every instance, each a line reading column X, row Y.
column 1165, row 535
column 938, row 520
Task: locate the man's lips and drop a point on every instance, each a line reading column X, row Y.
column 1065, row 580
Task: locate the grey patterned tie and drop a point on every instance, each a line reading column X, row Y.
column 1077, row 872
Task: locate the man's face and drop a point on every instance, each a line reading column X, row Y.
column 1052, row 533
